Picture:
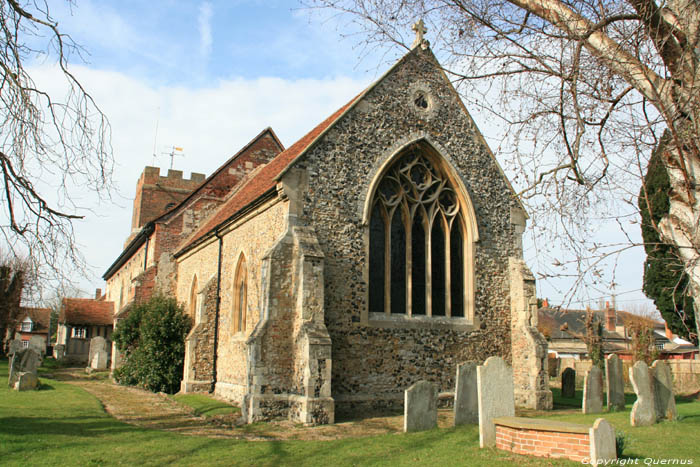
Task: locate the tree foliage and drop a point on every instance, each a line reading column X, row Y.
column 13, row 276
column 51, row 146
column 152, row 342
column 640, row 330
column 665, row 280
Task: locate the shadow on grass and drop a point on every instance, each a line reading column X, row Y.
column 74, row 426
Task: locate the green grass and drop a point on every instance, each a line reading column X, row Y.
column 64, row 425
column 204, row 405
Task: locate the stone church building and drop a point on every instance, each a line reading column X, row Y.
column 382, row 248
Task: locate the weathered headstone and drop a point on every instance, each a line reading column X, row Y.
column 602, row 442
column 496, row 398
column 420, row 407
column 593, row 391
column 59, row 351
column 15, row 346
column 24, row 361
column 643, row 412
column 26, row 381
column 615, row 383
column 39, row 344
column 98, row 356
column 568, row 383
column 466, row 406
column 664, row 399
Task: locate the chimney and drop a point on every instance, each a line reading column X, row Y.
column 610, row 318
column 98, row 294
column 545, row 303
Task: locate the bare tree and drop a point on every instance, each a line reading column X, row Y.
column 584, row 89
column 49, row 145
column 13, row 276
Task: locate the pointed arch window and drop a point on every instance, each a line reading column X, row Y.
column 240, row 295
column 192, row 311
column 419, row 257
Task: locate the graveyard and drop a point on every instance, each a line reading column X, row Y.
column 78, row 418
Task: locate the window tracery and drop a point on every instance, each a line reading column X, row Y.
column 417, row 260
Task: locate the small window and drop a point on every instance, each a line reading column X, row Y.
column 79, row 333
column 27, row 325
column 25, row 344
column 240, row 296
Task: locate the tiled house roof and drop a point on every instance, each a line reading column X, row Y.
column 260, row 182
column 86, row 311
column 39, row 316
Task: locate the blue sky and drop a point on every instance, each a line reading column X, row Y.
column 211, row 75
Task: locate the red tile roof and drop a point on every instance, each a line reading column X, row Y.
column 86, row 311
column 262, row 180
column 39, row 316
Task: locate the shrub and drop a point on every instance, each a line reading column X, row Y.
column 152, row 341
column 621, row 441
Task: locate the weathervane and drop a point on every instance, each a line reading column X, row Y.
column 419, row 28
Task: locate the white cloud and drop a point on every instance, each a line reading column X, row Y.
column 209, row 123
column 205, row 40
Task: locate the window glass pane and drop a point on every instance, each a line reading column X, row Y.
column 457, row 269
column 376, row 261
column 418, row 260
column 438, row 267
column 398, row 263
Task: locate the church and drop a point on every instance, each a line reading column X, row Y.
column 382, row 248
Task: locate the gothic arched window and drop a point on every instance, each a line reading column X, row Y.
column 419, row 263
column 192, row 311
column 240, row 296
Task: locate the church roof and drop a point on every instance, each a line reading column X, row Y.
column 261, row 181
column 86, row 311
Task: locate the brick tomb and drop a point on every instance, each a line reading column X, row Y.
column 543, row 438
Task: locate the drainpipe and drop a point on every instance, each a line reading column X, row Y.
column 145, row 256
column 216, row 316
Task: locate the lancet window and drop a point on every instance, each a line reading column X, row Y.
column 240, row 296
column 418, row 241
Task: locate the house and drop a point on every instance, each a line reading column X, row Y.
column 79, row 320
column 561, row 326
column 33, row 322
column 382, row 248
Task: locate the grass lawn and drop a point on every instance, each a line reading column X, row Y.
column 205, row 406
column 64, row 425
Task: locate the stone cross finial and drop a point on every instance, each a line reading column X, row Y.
column 419, row 28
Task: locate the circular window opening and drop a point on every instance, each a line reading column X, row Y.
column 421, row 101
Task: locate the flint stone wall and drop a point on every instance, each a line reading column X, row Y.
column 373, row 359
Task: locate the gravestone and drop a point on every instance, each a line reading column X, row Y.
column 420, row 407
column 643, row 411
column 59, row 351
column 39, row 344
column 466, row 406
column 615, row 383
column 568, row 383
column 664, row 400
column 593, row 391
column 15, row 346
column 496, row 397
column 98, row 356
column 24, row 361
column 602, row 442
column 26, row 381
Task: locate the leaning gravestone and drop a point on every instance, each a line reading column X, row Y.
column 615, row 383
column 59, row 351
column 664, row 400
column 643, row 412
column 496, row 399
column 593, row 391
column 24, row 361
column 420, row 407
column 98, row 356
column 568, row 383
column 39, row 344
column 466, row 407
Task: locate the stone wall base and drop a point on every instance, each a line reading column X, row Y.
column 188, row 387
column 537, row 400
column 230, row 391
column 299, row 409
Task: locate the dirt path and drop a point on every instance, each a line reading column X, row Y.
column 160, row 412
